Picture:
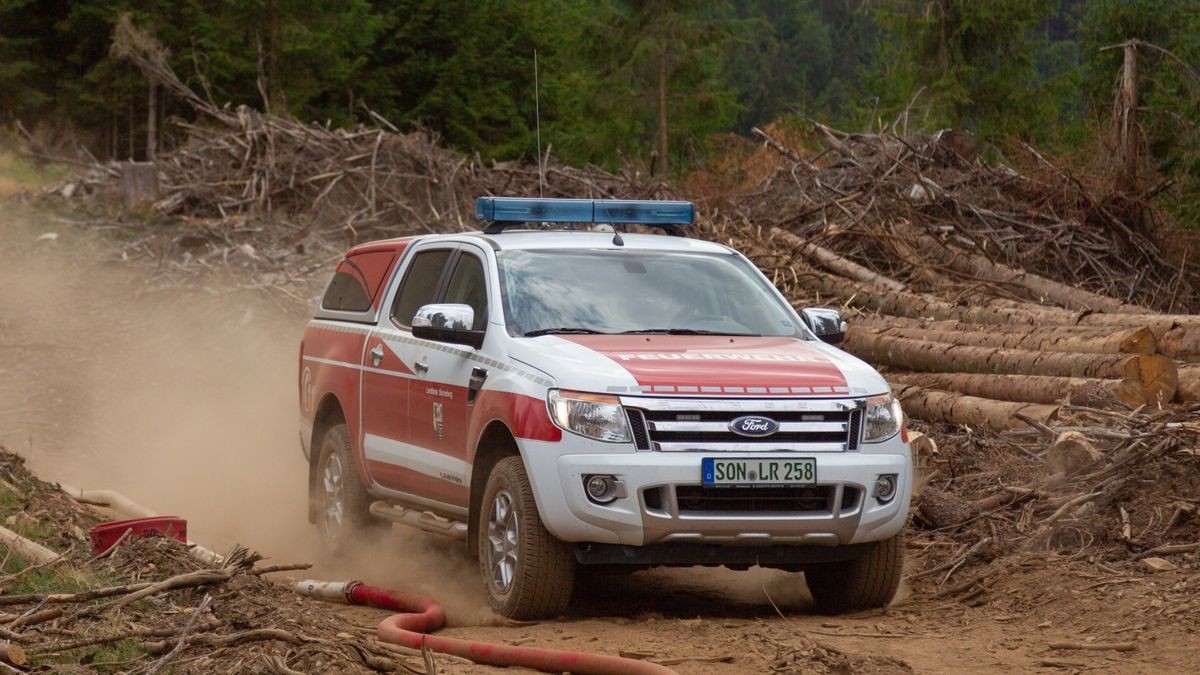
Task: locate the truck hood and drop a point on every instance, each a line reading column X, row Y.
column 698, row 365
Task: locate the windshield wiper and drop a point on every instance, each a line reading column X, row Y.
column 685, row 331
column 566, row 330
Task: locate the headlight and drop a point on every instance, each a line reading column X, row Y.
column 593, row 415
column 883, row 419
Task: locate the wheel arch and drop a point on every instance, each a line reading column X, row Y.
column 495, row 443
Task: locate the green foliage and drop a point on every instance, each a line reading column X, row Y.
column 965, row 63
column 465, row 69
column 1030, row 69
column 785, row 61
column 676, row 46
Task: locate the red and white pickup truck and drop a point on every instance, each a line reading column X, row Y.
column 560, row 397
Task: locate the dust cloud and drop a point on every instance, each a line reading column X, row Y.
column 183, row 398
column 113, row 378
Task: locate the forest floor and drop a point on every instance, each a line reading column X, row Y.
column 183, row 399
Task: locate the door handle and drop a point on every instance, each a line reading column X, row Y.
column 377, row 354
column 421, row 367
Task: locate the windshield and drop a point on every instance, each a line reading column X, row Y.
column 572, row 291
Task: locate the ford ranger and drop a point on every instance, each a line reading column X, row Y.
column 563, row 394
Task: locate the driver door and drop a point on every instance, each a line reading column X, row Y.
column 441, row 395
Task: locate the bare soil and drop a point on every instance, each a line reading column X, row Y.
column 182, row 397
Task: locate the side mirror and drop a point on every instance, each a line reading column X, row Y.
column 447, row 323
column 825, row 323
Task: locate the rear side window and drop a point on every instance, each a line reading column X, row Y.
column 356, row 281
column 419, row 286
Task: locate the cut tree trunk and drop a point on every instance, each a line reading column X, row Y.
column 28, row 549
column 1051, row 339
column 834, row 262
column 1041, row 287
column 1093, row 392
column 1182, row 342
column 952, row 408
column 925, row 306
column 1156, row 374
column 139, row 186
column 1189, row 384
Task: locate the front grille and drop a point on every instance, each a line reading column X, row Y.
column 697, row 498
column 674, row 429
column 637, row 425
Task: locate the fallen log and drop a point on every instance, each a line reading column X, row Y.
column 950, row 408
column 28, row 549
column 926, row 306
column 1189, row 384
column 13, row 654
column 834, row 262
column 975, row 265
column 1029, row 388
column 1050, row 339
column 1181, row 342
column 1156, row 374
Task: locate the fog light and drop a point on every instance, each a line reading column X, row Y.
column 601, row 489
column 885, row 487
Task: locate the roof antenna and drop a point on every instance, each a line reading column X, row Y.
column 537, row 113
column 616, row 240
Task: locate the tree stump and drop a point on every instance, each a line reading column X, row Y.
column 139, row 187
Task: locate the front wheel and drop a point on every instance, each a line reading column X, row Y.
column 527, row 572
column 866, row 582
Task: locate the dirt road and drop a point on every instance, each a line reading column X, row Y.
column 183, row 398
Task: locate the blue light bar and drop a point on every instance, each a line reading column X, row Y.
column 614, row 211
column 644, row 212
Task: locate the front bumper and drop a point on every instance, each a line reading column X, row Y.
column 851, row 515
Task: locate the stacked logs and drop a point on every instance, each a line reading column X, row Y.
column 925, row 255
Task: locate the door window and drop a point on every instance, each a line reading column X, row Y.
column 468, row 286
column 420, row 285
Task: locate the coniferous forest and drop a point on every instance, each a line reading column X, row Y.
column 657, row 82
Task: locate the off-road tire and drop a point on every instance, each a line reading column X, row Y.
column 359, row 526
column 866, row 582
column 545, row 567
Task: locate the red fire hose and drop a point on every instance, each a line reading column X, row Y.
column 417, row 616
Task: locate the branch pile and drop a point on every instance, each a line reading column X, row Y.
column 149, row 606
column 1114, row 489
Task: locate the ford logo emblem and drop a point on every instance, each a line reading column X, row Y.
column 754, row 426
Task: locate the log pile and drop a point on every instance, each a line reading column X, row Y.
column 1116, row 488
column 988, row 297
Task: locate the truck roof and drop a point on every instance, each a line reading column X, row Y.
column 555, row 239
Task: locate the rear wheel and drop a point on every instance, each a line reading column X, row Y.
column 343, row 505
column 527, row 572
column 866, row 582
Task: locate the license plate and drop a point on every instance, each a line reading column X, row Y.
column 754, row 471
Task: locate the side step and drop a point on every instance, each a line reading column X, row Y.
column 422, row 520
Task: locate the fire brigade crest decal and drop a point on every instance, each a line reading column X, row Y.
column 439, row 427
